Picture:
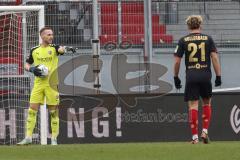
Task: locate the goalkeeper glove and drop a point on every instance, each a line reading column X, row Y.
column 36, row 71
column 218, row 81
column 177, row 82
column 70, row 49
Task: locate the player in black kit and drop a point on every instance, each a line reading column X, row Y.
column 200, row 51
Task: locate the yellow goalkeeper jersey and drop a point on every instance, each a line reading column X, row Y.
column 47, row 56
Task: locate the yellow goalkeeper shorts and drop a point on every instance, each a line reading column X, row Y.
column 40, row 91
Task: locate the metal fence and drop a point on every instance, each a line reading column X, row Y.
column 121, row 30
column 221, row 19
column 121, row 23
column 70, row 20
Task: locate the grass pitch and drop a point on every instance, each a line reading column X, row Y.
column 124, row 151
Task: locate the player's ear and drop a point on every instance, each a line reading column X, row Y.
column 42, row 35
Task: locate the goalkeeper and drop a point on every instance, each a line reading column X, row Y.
column 44, row 54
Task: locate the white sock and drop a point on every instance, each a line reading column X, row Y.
column 28, row 137
column 195, row 136
column 205, row 130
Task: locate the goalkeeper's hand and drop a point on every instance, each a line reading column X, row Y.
column 36, row 71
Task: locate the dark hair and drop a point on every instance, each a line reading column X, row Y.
column 194, row 21
column 44, row 28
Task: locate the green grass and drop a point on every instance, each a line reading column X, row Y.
column 124, row 151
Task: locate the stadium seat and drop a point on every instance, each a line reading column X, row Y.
column 134, row 39
column 109, row 29
column 132, row 7
column 132, row 18
column 162, row 38
column 155, row 19
column 104, row 39
column 132, row 29
column 109, row 8
column 159, row 29
column 138, row 18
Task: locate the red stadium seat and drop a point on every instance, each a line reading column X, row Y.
column 132, row 7
column 134, row 39
column 155, row 19
column 109, row 19
column 109, row 8
column 109, row 29
column 132, row 29
column 132, row 19
column 159, row 29
column 162, row 38
column 104, row 39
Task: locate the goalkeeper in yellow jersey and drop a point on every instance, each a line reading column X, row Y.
column 44, row 54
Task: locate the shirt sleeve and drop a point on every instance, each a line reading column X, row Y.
column 179, row 51
column 212, row 45
column 56, row 48
column 29, row 58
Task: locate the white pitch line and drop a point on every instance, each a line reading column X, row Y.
column 226, row 89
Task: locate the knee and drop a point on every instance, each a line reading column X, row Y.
column 193, row 105
column 54, row 113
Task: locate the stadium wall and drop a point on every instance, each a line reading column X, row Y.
column 132, row 118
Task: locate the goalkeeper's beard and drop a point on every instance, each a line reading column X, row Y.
column 47, row 42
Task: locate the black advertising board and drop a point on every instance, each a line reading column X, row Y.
column 127, row 118
column 150, row 118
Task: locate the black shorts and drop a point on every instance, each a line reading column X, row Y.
column 198, row 85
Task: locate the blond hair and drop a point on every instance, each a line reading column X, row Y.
column 194, row 21
column 43, row 29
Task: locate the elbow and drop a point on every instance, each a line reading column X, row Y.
column 215, row 60
column 214, row 56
